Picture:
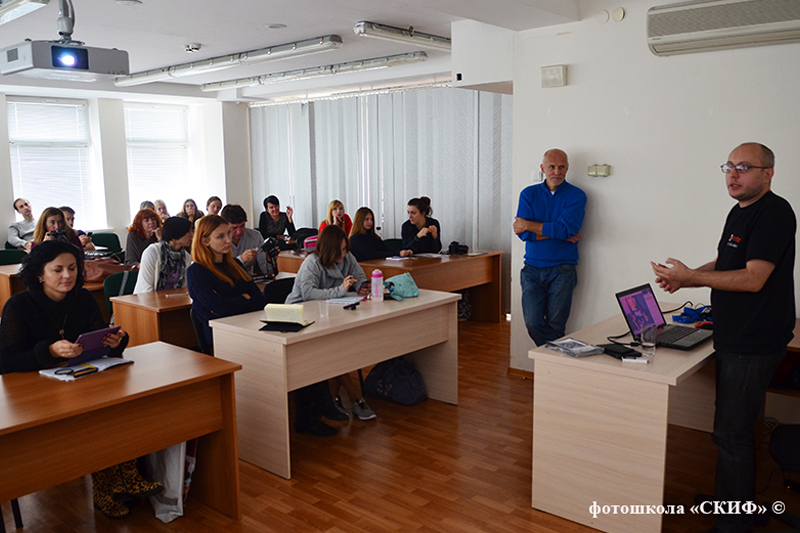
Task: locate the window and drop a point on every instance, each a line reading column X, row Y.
column 50, row 148
column 158, row 155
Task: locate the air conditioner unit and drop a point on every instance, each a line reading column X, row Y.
column 704, row 25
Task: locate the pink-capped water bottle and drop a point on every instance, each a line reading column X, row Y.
column 377, row 286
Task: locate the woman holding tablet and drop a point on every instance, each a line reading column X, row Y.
column 421, row 233
column 39, row 330
column 330, row 271
column 337, row 217
column 218, row 283
column 365, row 245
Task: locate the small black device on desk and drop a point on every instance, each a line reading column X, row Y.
column 619, row 351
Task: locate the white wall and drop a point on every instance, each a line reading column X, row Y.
column 664, row 125
column 7, row 213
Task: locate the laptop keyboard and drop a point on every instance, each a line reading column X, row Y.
column 673, row 334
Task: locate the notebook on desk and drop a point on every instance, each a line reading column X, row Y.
column 640, row 308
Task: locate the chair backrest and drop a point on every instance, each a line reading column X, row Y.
column 394, row 244
column 11, row 257
column 109, row 240
column 199, row 333
column 119, row 284
column 276, row 291
column 9, row 246
column 301, row 234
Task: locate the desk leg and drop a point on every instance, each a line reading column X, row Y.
column 262, row 401
column 598, row 437
column 216, row 478
column 438, row 364
column 487, row 299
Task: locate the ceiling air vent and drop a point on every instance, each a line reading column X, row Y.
column 704, row 25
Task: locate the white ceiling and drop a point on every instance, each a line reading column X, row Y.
column 155, row 33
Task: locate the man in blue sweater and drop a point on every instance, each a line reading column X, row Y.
column 549, row 219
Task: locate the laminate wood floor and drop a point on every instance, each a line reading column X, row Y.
column 430, row 467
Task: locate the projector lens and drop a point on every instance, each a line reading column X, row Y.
column 70, row 58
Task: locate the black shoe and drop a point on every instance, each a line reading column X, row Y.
column 328, row 409
column 316, row 427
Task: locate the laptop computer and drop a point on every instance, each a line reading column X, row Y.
column 640, row 308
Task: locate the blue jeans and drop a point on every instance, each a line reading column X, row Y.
column 741, row 385
column 546, row 300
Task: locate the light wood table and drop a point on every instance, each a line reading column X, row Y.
column 52, row 432
column 160, row 316
column 479, row 273
column 10, row 285
column 425, row 329
column 600, row 427
column 156, row 316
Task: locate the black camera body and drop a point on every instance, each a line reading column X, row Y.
column 270, row 247
column 58, row 234
column 456, row 248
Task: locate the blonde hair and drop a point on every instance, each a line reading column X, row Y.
column 41, row 225
column 335, row 204
column 202, row 254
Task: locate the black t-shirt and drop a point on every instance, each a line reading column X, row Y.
column 759, row 323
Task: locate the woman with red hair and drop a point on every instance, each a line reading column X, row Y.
column 144, row 231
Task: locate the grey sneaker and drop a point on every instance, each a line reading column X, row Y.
column 337, row 402
column 362, row 410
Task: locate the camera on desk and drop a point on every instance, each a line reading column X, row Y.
column 457, row 248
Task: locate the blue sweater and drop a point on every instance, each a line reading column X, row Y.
column 561, row 215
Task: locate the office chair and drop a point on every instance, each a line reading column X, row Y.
column 11, row 257
column 110, row 241
column 17, row 516
column 199, row 333
column 9, row 247
column 300, row 236
column 118, row 284
column 275, row 292
column 394, row 244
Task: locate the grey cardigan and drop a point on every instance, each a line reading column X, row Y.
column 315, row 282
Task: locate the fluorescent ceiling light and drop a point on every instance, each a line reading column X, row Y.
column 399, row 35
column 315, row 72
column 12, row 9
column 309, row 46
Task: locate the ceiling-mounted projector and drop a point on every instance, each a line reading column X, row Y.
column 63, row 61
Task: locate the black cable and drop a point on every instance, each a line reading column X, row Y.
column 687, row 302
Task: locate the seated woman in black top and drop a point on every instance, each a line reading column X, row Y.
column 218, row 283
column 365, row 245
column 39, row 330
column 272, row 222
column 421, row 233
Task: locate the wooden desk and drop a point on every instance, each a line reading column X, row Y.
column 425, row 329
column 159, row 316
column 52, row 432
column 156, row 316
column 600, row 427
column 481, row 274
column 10, row 285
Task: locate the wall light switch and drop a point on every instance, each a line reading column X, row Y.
column 603, row 170
column 592, row 170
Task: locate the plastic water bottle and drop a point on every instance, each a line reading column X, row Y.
column 377, row 286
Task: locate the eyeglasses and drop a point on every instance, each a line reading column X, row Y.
column 741, row 168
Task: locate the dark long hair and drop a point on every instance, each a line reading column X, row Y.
column 33, row 264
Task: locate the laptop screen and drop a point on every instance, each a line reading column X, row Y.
column 640, row 308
